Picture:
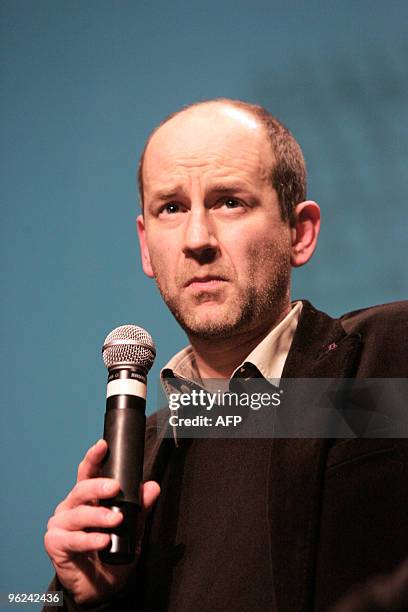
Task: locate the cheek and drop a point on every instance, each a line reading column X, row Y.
column 263, row 249
column 164, row 263
column 264, row 260
column 159, row 259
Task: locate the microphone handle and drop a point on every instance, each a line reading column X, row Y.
column 124, row 431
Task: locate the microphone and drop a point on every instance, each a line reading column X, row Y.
column 128, row 353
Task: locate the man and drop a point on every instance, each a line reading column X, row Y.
column 243, row 524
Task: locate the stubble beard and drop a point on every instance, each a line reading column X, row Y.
column 252, row 306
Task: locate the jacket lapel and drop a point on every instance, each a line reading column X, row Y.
column 320, row 348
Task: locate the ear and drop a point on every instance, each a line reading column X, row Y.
column 144, row 251
column 305, row 226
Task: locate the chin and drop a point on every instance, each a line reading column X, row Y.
column 210, row 332
column 213, row 327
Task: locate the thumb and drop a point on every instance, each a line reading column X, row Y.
column 150, row 493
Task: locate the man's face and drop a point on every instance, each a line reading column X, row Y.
column 212, row 235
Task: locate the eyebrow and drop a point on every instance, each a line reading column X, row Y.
column 234, row 188
column 165, row 195
column 221, row 188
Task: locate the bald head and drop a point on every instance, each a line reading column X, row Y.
column 283, row 160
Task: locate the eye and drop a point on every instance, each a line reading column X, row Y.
column 170, row 209
column 231, row 203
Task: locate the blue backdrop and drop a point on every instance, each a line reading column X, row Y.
column 83, row 82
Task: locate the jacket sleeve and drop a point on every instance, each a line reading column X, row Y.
column 381, row 594
column 119, row 601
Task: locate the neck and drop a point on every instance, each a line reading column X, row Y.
column 219, row 359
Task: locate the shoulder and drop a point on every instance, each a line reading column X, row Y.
column 383, row 331
column 391, row 318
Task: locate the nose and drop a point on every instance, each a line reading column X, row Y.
column 200, row 241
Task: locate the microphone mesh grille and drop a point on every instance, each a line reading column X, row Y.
column 129, row 344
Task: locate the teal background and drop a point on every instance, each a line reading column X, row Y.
column 83, row 83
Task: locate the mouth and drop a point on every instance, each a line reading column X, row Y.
column 206, row 283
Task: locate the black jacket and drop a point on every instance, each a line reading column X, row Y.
column 289, row 525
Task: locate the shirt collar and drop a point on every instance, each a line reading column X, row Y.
column 268, row 356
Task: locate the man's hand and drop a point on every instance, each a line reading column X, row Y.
column 73, row 550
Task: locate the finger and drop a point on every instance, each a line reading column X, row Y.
column 85, row 517
column 89, row 492
column 150, row 493
column 61, row 541
column 91, row 464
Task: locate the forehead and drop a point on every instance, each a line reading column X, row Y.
column 207, row 138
